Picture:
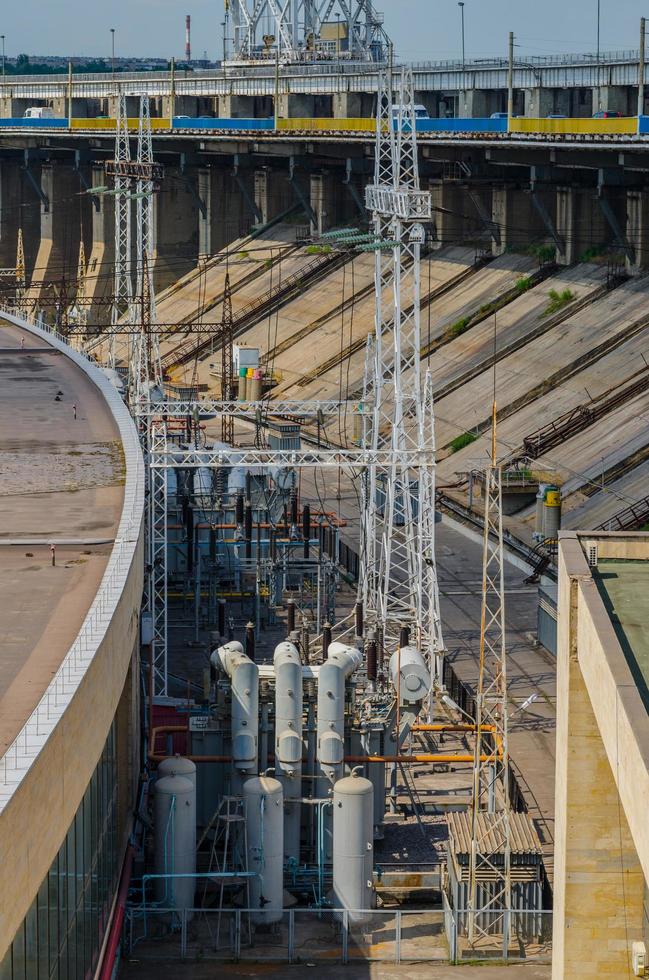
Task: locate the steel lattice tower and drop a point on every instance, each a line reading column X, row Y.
column 123, row 285
column 145, row 364
column 490, row 834
column 227, row 362
column 401, row 585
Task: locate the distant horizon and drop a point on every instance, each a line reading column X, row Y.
column 422, row 30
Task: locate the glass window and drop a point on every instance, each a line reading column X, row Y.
column 31, row 942
column 5, row 966
column 43, row 913
column 18, row 948
column 53, row 915
column 63, row 930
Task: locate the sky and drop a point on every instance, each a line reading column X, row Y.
column 421, row 29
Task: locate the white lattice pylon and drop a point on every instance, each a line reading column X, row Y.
column 145, row 365
column 155, row 599
column 399, row 525
column 123, row 284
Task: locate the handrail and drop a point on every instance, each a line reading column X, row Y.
column 25, row 747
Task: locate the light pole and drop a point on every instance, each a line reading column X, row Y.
column 599, row 4
column 461, row 6
column 112, row 55
column 2, row 38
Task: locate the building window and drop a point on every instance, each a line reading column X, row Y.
column 63, row 930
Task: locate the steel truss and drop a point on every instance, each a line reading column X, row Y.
column 156, row 599
column 490, row 859
column 292, row 28
column 145, row 369
column 123, row 284
column 162, row 456
column 181, row 408
column 400, row 584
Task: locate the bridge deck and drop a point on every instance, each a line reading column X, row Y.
column 61, row 481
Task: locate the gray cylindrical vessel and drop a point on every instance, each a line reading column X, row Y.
column 263, row 799
column 414, row 683
column 175, row 841
column 353, row 862
column 288, row 740
column 538, row 510
column 177, row 765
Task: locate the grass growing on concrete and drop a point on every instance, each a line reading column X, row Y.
column 558, row 300
column 544, row 253
column 461, row 441
column 459, row 326
column 523, row 284
column 318, row 249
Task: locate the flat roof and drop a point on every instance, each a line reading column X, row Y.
column 62, row 481
column 623, row 584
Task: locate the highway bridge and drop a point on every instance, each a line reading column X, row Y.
column 576, row 84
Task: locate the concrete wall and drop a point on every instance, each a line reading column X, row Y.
column 175, row 219
column 36, row 820
column 602, row 776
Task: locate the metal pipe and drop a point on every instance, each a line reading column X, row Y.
column 288, row 740
column 451, row 728
column 221, row 618
column 428, row 758
column 306, row 528
column 244, row 678
column 510, row 82
column 342, row 661
column 641, row 70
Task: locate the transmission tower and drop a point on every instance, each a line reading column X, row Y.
column 145, row 365
column 123, row 286
column 227, row 363
column 399, row 538
column 490, row 859
column 21, row 283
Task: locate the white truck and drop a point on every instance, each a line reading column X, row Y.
column 39, row 112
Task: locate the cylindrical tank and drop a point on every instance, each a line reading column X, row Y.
column 264, row 812
column 414, row 684
column 254, row 387
column 341, row 662
column 551, row 513
column 175, row 841
column 177, row 765
column 288, row 740
column 538, row 513
column 353, row 855
column 241, row 396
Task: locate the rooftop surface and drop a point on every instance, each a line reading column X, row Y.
column 624, row 586
column 62, row 482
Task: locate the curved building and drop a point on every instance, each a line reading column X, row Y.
column 71, row 570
